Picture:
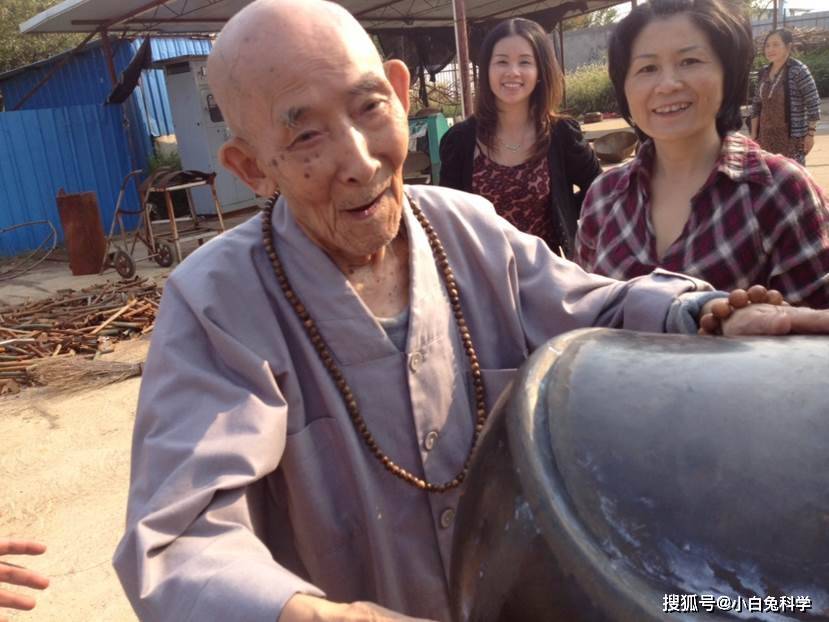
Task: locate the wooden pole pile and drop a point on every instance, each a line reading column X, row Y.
column 73, row 323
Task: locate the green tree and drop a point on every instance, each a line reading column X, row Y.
column 16, row 49
column 756, row 8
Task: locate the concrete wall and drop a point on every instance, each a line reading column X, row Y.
column 585, row 46
column 809, row 20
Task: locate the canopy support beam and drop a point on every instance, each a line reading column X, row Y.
column 113, row 76
column 462, row 43
column 53, row 71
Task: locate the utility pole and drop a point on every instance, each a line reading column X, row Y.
column 462, row 41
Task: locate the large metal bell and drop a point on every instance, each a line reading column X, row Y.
column 625, row 468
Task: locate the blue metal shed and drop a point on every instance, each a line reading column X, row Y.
column 84, row 80
column 65, row 137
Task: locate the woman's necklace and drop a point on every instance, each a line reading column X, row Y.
column 773, row 83
column 327, row 358
column 511, row 147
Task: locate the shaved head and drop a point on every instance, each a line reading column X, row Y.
column 266, row 38
column 316, row 115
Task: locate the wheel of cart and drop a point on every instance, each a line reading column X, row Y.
column 163, row 249
column 120, row 242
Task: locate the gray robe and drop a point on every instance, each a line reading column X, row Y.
column 249, row 482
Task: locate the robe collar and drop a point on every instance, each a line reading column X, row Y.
column 346, row 323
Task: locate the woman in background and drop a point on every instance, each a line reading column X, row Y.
column 786, row 105
column 699, row 198
column 515, row 150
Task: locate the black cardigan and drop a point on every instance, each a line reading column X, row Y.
column 571, row 161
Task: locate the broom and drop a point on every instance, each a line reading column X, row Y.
column 75, row 373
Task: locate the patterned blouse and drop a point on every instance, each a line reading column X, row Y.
column 802, row 99
column 759, row 218
column 521, row 194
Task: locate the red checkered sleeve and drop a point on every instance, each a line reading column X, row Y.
column 797, row 222
column 596, row 201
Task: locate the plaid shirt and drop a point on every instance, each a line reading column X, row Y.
column 759, row 218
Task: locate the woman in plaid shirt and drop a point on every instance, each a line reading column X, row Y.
column 699, row 198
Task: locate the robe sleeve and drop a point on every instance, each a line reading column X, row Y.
column 555, row 295
column 211, row 424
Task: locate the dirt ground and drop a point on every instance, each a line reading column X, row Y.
column 65, row 471
column 64, row 462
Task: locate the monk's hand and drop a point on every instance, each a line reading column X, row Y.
column 15, row 575
column 759, row 311
column 767, row 319
column 306, row 608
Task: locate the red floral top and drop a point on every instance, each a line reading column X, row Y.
column 521, row 194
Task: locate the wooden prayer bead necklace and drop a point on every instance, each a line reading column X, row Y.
column 337, row 376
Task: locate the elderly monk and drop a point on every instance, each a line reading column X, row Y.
column 318, row 375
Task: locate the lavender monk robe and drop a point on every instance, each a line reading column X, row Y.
column 249, row 481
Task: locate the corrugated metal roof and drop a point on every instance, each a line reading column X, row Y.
column 191, row 16
column 161, row 50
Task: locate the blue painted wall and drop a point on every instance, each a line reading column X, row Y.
column 64, row 136
column 85, row 80
column 77, row 148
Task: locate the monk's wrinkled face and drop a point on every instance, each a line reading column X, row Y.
column 333, row 135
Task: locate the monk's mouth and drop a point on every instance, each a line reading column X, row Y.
column 367, row 209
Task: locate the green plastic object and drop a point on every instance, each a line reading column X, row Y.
column 424, row 135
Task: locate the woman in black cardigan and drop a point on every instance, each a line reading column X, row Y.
column 515, row 150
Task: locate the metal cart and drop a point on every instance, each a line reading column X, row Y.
column 162, row 247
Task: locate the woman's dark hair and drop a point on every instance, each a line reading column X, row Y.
column 728, row 31
column 545, row 98
column 784, row 34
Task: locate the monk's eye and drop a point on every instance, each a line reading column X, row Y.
column 304, row 137
column 373, row 105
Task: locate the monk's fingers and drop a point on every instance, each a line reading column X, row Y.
column 759, row 319
column 708, row 324
column 21, row 547
column 808, row 321
column 9, row 600
column 15, row 575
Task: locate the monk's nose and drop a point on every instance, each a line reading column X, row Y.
column 357, row 164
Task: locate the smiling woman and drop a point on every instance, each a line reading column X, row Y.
column 516, row 150
column 699, row 198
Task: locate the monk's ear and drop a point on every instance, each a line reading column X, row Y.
column 398, row 75
column 237, row 156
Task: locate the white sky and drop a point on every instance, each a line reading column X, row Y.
column 813, row 5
